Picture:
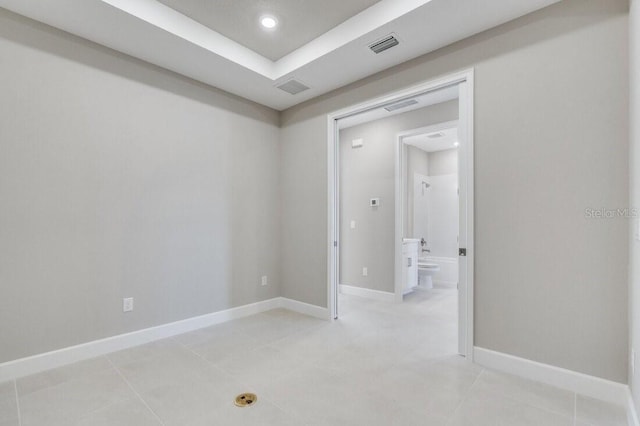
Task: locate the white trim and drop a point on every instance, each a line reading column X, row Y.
column 632, row 414
column 383, row 296
column 464, row 76
column 466, row 98
column 584, row 384
column 37, row 363
column 304, row 308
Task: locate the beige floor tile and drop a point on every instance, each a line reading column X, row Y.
column 204, row 335
column 379, row 364
column 69, row 401
column 7, row 390
column 225, row 344
column 198, row 401
column 36, row 382
column 527, row 391
column 487, row 409
column 262, row 366
column 162, row 347
column 171, row 367
column 263, row 413
column 8, row 409
column 599, row 413
column 131, row 412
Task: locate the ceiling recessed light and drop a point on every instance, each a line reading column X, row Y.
column 268, row 21
column 456, row 143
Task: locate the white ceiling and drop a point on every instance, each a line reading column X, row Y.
column 299, row 21
column 424, row 142
column 154, row 32
column 425, row 100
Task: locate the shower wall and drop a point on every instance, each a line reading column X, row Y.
column 443, row 205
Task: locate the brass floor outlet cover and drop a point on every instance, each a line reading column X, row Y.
column 246, row 399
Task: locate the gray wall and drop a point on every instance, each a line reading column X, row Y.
column 634, row 160
column 119, row 179
column 366, row 173
column 551, row 139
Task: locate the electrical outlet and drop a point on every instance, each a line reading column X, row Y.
column 353, row 224
column 633, row 362
column 264, row 280
column 127, row 304
column 365, row 271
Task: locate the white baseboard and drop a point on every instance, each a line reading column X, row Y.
column 594, row 387
column 46, row 361
column 304, row 308
column 632, row 414
column 368, row 293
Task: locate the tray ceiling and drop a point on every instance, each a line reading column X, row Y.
column 156, row 33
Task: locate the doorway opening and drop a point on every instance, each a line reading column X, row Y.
column 370, row 188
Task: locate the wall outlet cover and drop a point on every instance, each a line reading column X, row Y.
column 127, row 304
column 365, row 271
column 264, row 280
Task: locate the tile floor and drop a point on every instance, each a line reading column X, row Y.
column 380, row 364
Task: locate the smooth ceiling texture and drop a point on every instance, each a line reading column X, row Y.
column 300, row 21
column 156, row 33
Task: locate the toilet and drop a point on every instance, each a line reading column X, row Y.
column 426, row 270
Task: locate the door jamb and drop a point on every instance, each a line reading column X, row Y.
column 333, row 185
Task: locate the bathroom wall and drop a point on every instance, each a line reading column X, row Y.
column 443, row 162
column 119, row 179
column 369, row 172
column 441, row 215
column 417, row 162
column 442, row 204
column 551, row 139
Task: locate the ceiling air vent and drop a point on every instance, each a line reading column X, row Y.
column 400, row 105
column 292, row 86
column 386, row 42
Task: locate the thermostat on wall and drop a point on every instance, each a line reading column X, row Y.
column 374, row 202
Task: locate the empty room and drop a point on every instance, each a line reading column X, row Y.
column 319, row 213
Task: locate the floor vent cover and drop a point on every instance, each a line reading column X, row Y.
column 246, row 399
